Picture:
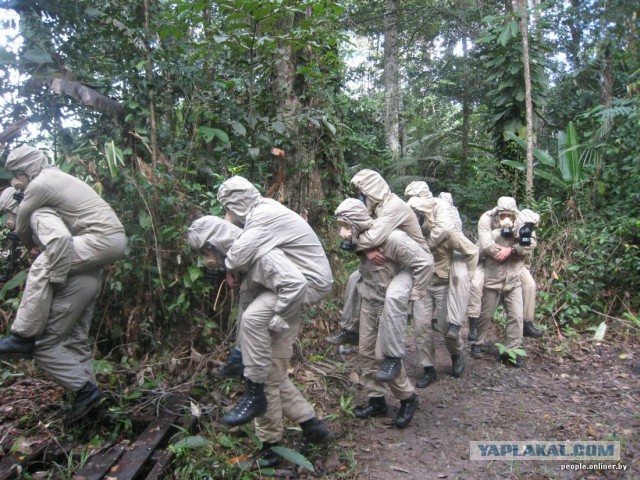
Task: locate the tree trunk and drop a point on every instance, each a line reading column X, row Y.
column 466, row 103
column 528, row 99
column 153, row 127
column 391, row 82
column 303, row 188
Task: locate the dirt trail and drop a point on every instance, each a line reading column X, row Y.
column 590, row 393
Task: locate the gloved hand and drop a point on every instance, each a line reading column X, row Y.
column 277, row 324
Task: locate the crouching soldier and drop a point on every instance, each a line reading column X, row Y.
column 272, row 294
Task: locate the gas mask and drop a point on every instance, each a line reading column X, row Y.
column 20, row 181
column 419, row 217
column 214, row 262
column 506, row 226
column 525, row 233
column 346, row 233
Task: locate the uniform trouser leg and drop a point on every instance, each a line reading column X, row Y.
column 459, row 288
column 436, row 299
column 490, row 301
column 528, row 285
column 351, row 310
column 90, row 252
column 393, row 324
column 475, row 293
column 258, row 342
column 283, row 398
column 370, row 351
column 512, row 302
column 35, row 305
column 63, row 349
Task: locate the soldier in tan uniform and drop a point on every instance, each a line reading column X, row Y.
column 402, row 253
column 62, row 348
column 267, row 225
column 97, row 238
column 389, row 213
column 446, row 287
column 505, row 257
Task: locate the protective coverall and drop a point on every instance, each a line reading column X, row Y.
column 402, row 253
column 62, row 348
column 97, row 236
column 272, row 294
column 502, row 276
column 389, row 213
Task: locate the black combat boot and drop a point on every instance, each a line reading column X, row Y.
column 473, row 329
column 377, row 407
column 453, row 332
column 314, row 432
column 266, row 457
column 477, row 350
column 17, row 345
column 87, row 398
column 529, row 330
column 428, row 377
column 407, row 410
column 251, row 405
column 390, row 369
column 232, row 367
column 345, row 337
column 457, row 365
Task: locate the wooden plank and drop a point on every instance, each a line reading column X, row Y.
column 11, row 465
column 98, row 465
column 162, row 462
column 133, row 461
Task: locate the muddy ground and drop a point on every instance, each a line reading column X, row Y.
column 577, row 390
column 584, row 391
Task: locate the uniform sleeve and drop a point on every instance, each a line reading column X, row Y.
column 35, row 197
column 278, row 274
column 486, row 242
column 443, row 224
column 382, row 227
column 245, row 248
column 54, row 236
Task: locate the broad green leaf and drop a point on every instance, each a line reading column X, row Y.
column 239, row 128
column 18, row 279
column 600, row 331
column 254, row 152
column 294, row 457
column 194, row 273
column 192, row 442
column 144, row 219
column 38, row 56
column 279, row 126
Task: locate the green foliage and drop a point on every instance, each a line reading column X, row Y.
column 512, row 353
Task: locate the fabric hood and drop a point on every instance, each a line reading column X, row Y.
column 371, row 184
column 28, row 160
column 525, row 216
column 239, row 196
column 506, row 204
column 356, row 214
column 418, row 189
column 7, row 202
column 213, row 231
column 446, row 196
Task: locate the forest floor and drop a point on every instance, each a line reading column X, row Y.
column 568, row 390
